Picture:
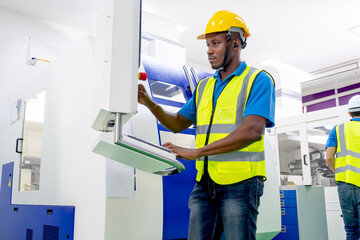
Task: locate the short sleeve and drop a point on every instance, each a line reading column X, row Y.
column 189, row 110
column 261, row 101
column 332, row 139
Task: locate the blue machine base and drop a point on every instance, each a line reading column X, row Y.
column 18, row 222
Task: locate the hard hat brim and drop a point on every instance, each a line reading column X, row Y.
column 202, row 36
column 355, row 109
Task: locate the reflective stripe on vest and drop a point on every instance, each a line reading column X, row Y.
column 236, row 166
column 228, row 128
column 347, row 164
column 239, row 156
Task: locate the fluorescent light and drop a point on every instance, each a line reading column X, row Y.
column 356, row 30
column 279, row 65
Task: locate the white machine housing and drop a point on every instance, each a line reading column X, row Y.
column 123, row 51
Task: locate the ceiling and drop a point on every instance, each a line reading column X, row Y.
column 308, row 35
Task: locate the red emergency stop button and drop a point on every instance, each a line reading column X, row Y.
column 142, row 76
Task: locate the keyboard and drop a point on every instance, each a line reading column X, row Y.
column 147, row 146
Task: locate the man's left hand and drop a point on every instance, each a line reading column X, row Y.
column 181, row 152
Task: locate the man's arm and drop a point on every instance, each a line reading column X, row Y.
column 250, row 131
column 330, row 158
column 175, row 122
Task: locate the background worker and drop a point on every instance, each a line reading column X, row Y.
column 231, row 110
column 343, row 157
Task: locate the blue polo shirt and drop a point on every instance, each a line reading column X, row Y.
column 332, row 140
column 261, row 101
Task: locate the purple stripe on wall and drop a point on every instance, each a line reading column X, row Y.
column 315, row 96
column 322, row 105
column 348, row 88
column 345, row 99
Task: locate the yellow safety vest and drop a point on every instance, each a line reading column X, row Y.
column 215, row 124
column 347, row 162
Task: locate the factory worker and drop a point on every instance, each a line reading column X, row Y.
column 343, row 157
column 231, row 110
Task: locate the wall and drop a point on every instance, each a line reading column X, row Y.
column 70, row 173
column 331, row 87
column 47, row 41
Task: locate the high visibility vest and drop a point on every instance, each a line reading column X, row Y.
column 347, row 157
column 215, row 124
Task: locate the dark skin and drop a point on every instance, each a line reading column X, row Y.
column 217, row 43
column 250, row 131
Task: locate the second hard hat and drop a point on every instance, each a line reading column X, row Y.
column 354, row 104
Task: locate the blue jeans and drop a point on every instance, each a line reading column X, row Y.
column 349, row 196
column 231, row 209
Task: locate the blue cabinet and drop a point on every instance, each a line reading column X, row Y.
column 32, row 222
column 303, row 214
column 289, row 216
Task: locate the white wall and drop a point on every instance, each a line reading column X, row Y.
column 47, row 41
column 70, row 173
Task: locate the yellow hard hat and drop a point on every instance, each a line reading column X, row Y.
column 223, row 21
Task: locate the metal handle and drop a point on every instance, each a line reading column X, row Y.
column 118, row 128
column 282, row 211
column 191, row 84
column 304, row 157
column 194, row 74
column 281, row 194
column 17, row 145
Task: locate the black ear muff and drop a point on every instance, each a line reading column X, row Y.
column 236, row 45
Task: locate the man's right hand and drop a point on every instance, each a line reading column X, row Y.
column 175, row 122
column 143, row 96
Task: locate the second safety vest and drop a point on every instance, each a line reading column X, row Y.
column 216, row 123
column 347, row 162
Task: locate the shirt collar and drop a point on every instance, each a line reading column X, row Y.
column 355, row 119
column 237, row 72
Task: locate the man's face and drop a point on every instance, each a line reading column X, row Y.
column 216, row 43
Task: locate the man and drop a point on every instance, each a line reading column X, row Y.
column 231, row 110
column 343, row 158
